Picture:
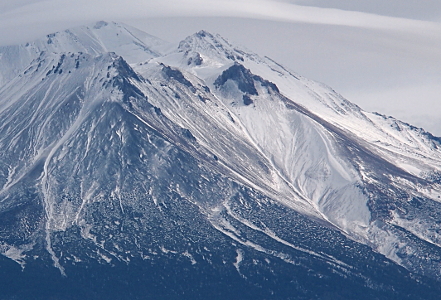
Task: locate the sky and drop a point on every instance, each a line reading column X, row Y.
column 384, row 56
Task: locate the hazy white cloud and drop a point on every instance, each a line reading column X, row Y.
column 417, row 103
column 54, row 11
column 371, row 53
column 22, row 20
column 412, row 9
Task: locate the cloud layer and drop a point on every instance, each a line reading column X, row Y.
column 378, row 61
column 27, row 12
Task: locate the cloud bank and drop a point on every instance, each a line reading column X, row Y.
column 23, row 13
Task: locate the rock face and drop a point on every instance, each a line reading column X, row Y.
column 207, row 171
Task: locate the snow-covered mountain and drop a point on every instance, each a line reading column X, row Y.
column 203, row 171
column 134, row 45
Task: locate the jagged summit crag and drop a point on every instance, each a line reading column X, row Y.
column 131, row 172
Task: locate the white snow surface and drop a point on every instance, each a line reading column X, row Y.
column 304, row 157
column 285, row 144
column 95, row 39
column 390, row 137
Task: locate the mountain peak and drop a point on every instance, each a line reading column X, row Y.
column 203, row 33
column 204, row 54
column 94, row 39
column 211, row 45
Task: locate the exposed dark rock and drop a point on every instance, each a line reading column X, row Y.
column 245, row 80
column 247, row 100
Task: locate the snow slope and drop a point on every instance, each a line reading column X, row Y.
column 326, row 149
column 101, row 37
column 100, row 126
